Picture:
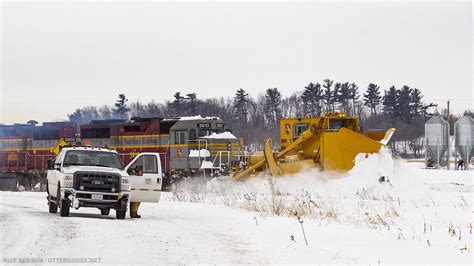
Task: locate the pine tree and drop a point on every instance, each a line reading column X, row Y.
column 335, row 96
column 372, row 98
column 424, row 109
column 416, row 103
column 121, row 110
column 311, row 97
column 328, row 95
column 469, row 113
column 178, row 103
column 353, row 97
column 272, row 107
column 343, row 96
column 403, row 104
column 75, row 117
column 390, row 103
column 191, row 104
column 354, row 91
column 241, row 106
column 32, row 122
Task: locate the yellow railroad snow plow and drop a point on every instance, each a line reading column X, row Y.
column 330, row 142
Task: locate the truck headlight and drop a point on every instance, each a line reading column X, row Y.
column 125, row 184
column 68, row 181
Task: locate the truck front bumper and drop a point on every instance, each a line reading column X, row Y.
column 86, row 199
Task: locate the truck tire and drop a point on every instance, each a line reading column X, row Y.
column 105, row 211
column 64, row 207
column 122, row 212
column 63, row 204
column 53, row 207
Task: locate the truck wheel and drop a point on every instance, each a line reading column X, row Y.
column 53, row 207
column 64, row 207
column 121, row 213
column 105, row 211
column 63, row 204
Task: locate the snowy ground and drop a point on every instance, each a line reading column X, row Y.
column 423, row 216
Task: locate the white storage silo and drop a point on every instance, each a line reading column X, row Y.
column 436, row 137
column 464, row 141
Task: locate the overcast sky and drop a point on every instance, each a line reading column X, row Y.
column 58, row 56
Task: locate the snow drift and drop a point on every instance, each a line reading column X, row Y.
column 414, row 204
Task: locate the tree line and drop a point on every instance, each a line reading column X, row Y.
column 255, row 118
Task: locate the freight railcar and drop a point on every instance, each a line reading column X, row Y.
column 25, row 150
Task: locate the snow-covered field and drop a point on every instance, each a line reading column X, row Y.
column 421, row 216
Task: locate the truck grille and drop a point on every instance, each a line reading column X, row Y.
column 97, row 182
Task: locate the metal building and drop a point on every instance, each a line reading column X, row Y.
column 463, row 142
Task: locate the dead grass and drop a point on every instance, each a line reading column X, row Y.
column 271, row 201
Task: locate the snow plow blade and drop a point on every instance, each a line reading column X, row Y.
column 331, row 142
column 339, row 149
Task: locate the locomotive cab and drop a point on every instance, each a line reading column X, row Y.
column 200, row 145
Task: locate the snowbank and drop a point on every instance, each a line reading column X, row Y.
column 225, row 135
column 207, row 165
column 417, row 210
column 203, row 153
column 185, row 118
column 198, row 117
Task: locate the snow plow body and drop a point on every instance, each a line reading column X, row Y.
column 330, row 142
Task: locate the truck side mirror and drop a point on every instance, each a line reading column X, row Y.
column 50, row 164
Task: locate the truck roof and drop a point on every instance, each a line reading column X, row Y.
column 85, row 148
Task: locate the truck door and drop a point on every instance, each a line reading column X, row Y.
column 145, row 175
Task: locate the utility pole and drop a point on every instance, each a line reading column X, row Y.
column 449, row 136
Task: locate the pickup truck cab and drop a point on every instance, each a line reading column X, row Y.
column 97, row 178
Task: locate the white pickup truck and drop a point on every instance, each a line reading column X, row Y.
column 96, row 177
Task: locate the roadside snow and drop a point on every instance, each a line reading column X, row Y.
column 425, row 216
column 203, row 153
column 420, row 216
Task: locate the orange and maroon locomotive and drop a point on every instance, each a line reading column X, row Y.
column 187, row 145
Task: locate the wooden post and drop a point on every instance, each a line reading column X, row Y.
column 449, row 135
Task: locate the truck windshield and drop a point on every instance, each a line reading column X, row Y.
column 92, row 158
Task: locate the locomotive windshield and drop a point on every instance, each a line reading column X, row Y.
column 92, row 158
